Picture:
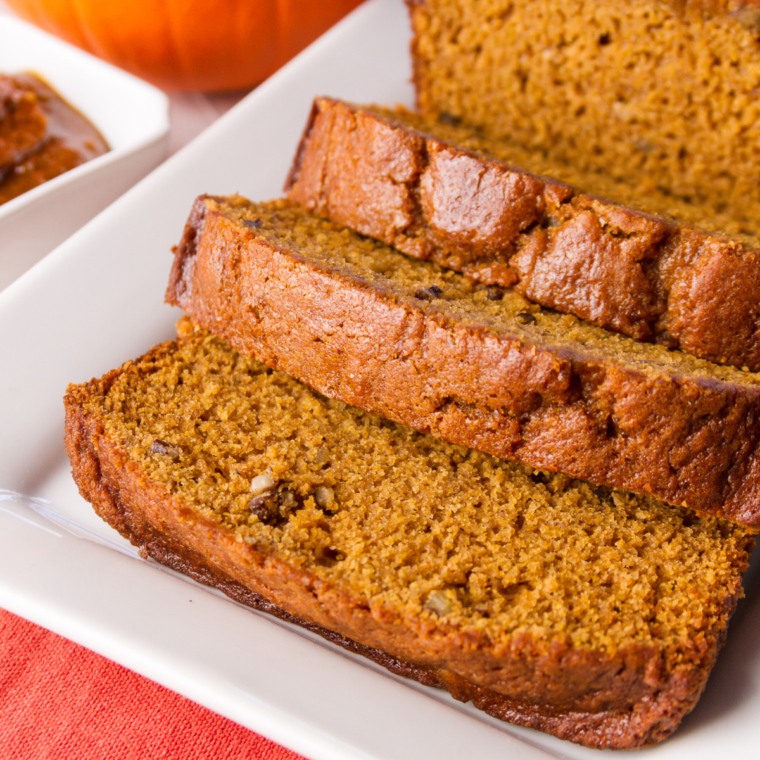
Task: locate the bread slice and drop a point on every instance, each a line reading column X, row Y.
column 475, row 365
column 443, row 192
column 592, row 614
column 661, row 94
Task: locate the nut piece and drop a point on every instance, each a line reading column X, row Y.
column 324, row 496
column 265, row 507
column 749, row 18
column 449, row 119
column 275, row 505
column 439, row 603
column 429, row 293
column 323, row 456
column 287, row 499
column 262, row 483
column 166, row 449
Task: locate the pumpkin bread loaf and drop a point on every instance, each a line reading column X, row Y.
column 593, row 614
column 661, row 94
column 472, row 364
column 444, row 192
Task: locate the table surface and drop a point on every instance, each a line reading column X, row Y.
column 61, row 700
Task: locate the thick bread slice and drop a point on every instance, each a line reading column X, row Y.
column 445, row 193
column 471, row 364
column 595, row 615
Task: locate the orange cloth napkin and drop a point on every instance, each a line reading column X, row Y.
column 59, row 700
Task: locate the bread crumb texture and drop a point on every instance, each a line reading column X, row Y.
column 399, row 520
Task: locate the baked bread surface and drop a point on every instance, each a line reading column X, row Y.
column 478, row 366
column 593, row 614
column 659, row 94
column 508, row 216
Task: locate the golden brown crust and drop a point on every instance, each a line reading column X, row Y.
column 623, row 700
column 683, row 438
column 657, row 93
column 626, row 271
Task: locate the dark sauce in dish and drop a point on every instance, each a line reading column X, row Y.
column 41, row 135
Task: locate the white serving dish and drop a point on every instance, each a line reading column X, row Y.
column 132, row 116
column 97, row 301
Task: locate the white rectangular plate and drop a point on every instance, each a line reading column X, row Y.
column 98, row 301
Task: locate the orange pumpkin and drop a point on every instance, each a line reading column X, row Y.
column 189, row 44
